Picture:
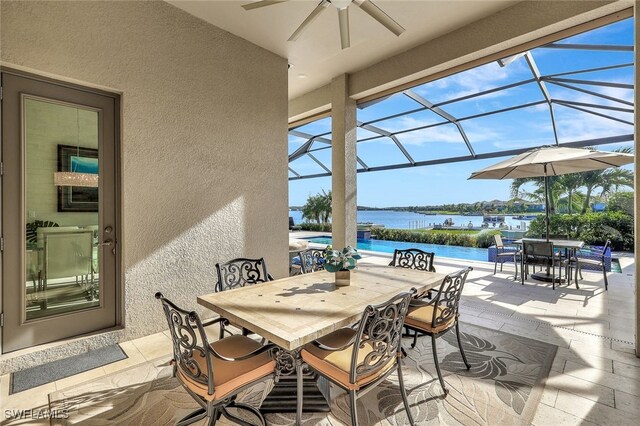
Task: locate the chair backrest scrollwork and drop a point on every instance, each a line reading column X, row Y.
column 381, row 329
column 241, row 272
column 413, row 258
column 311, row 260
column 190, row 343
column 447, row 301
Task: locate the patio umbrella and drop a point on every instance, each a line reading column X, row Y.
column 552, row 161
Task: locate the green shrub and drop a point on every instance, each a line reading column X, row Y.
column 483, row 239
column 592, row 228
column 316, row 227
column 621, row 202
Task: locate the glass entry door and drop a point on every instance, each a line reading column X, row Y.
column 59, row 211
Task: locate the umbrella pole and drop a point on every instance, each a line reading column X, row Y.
column 546, row 202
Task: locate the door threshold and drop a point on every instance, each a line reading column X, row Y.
column 53, row 351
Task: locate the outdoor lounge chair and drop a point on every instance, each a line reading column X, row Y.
column 360, row 358
column 293, row 226
column 439, row 315
column 215, row 373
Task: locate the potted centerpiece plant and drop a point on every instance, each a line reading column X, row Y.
column 341, row 263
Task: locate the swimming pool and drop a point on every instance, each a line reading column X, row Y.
column 468, row 253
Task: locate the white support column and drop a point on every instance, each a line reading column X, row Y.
column 343, row 164
column 637, row 174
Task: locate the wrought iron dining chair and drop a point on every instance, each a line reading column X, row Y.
column 413, row 258
column 575, row 262
column 215, row 373
column 505, row 253
column 311, row 260
column 241, row 272
column 439, row 315
column 417, row 259
column 360, row 358
column 539, row 253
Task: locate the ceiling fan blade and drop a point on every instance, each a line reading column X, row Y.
column 378, row 14
column 312, row 16
column 343, row 20
column 262, row 3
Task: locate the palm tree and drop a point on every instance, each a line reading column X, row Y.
column 569, row 185
column 325, row 205
column 607, row 180
column 311, row 210
column 538, row 194
column 318, row 207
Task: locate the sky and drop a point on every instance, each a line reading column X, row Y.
column 523, row 128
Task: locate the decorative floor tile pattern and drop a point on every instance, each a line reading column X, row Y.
column 504, row 385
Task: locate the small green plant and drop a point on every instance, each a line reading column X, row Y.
column 344, row 260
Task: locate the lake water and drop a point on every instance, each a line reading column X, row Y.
column 410, row 220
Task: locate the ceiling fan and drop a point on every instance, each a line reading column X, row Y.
column 343, row 16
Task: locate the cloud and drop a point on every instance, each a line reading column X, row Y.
column 475, row 80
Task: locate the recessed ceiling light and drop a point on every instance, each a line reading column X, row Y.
column 302, row 76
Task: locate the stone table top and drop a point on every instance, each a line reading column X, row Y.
column 293, row 311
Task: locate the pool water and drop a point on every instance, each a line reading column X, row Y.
column 468, row 253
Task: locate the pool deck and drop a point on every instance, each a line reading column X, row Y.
column 586, row 309
column 595, row 378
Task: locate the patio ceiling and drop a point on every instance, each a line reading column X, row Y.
column 576, row 92
column 316, row 56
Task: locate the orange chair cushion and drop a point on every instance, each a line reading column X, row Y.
column 337, row 364
column 421, row 317
column 230, row 375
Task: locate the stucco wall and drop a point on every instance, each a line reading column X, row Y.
column 204, row 122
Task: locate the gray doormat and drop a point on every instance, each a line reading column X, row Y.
column 56, row 370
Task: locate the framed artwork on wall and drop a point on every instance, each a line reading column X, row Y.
column 79, row 160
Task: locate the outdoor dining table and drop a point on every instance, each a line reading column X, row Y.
column 571, row 246
column 293, row 311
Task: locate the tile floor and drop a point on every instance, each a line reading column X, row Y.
column 595, row 378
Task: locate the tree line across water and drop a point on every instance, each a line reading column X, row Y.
column 572, row 194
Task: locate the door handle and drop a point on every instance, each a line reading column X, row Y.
column 107, row 243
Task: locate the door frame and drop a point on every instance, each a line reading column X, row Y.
column 118, row 217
